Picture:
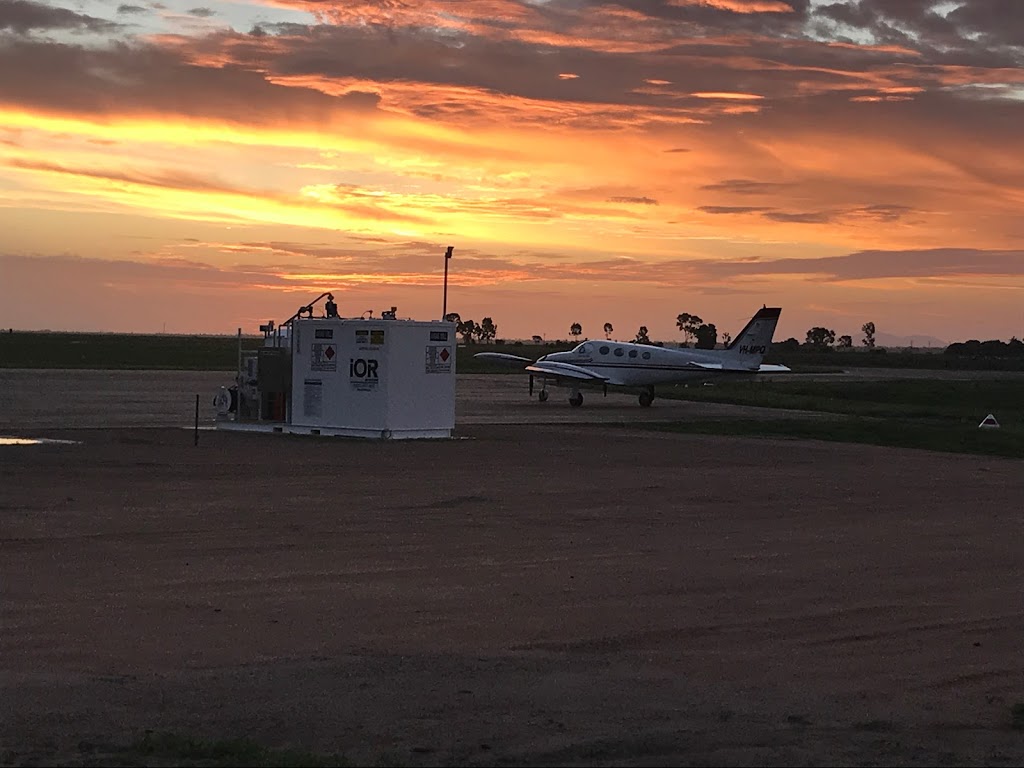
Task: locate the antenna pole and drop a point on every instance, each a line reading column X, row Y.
column 447, row 257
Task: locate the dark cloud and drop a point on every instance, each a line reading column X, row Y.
column 636, row 200
column 147, row 80
column 23, row 16
column 885, row 213
column 998, row 22
column 760, row 16
column 854, row 15
column 805, row 217
column 202, row 13
column 875, row 264
column 973, row 28
column 880, row 213
column 744, row 187
column 131, row 9
column 407, row 58
column 571, row 42
column 725, row 209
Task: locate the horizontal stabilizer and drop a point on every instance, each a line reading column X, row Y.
column 731, row 367
column 564, row 370
column 499, row 357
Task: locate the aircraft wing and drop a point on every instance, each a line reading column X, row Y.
column 773, row 369
column 565, row 371
column 500, row 357
column 544, row 367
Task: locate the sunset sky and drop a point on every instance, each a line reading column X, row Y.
column 200, row 166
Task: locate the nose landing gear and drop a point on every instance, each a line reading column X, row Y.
column 576, row 399
column 646, row 398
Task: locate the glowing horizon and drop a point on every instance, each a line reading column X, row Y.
column 205, row 168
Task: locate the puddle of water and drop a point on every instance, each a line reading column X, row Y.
column 34, row 441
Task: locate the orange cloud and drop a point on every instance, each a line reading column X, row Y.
column 725, row 95
column 739, row 6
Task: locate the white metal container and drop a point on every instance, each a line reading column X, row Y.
column 372, row 378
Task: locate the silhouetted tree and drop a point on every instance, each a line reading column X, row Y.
column 467, row 329
column 575, row 330
column 707, row 336
column 453, row 317
column 869, row 335
column 487, row 330
column 688, row 324
column 538, row 339
column 608, row 330
column 845, row 342
column 726, row 338
column 819, row 337
column 641, row 336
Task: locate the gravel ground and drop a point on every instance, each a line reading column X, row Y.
column 530, row 594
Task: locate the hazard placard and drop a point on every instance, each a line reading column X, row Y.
column 323, row 357
column 439, row 359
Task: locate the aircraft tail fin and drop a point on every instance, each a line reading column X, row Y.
column 752, row 343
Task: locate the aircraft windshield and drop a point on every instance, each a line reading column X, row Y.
column 582, row 349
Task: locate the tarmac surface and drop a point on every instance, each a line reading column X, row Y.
column 41, row 399
column 574, row 593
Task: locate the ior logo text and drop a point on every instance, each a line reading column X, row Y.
column 363, row 373
column 360, row 368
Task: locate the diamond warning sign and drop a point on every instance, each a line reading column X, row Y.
column 322, row 357
column 439, row 359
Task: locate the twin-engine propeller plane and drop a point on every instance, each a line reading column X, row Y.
column 625, row 364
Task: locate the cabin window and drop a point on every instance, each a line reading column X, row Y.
column 632, row 353
column 646, row 355
column 619, row 352
column 582, row 349
column 603, row 350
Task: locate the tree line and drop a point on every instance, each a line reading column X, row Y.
column 820, row 338
column 471, row 331
column 695, row 331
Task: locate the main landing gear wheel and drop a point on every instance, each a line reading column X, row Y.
column 576, row 400
column 542, row 396
column 646, row 398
